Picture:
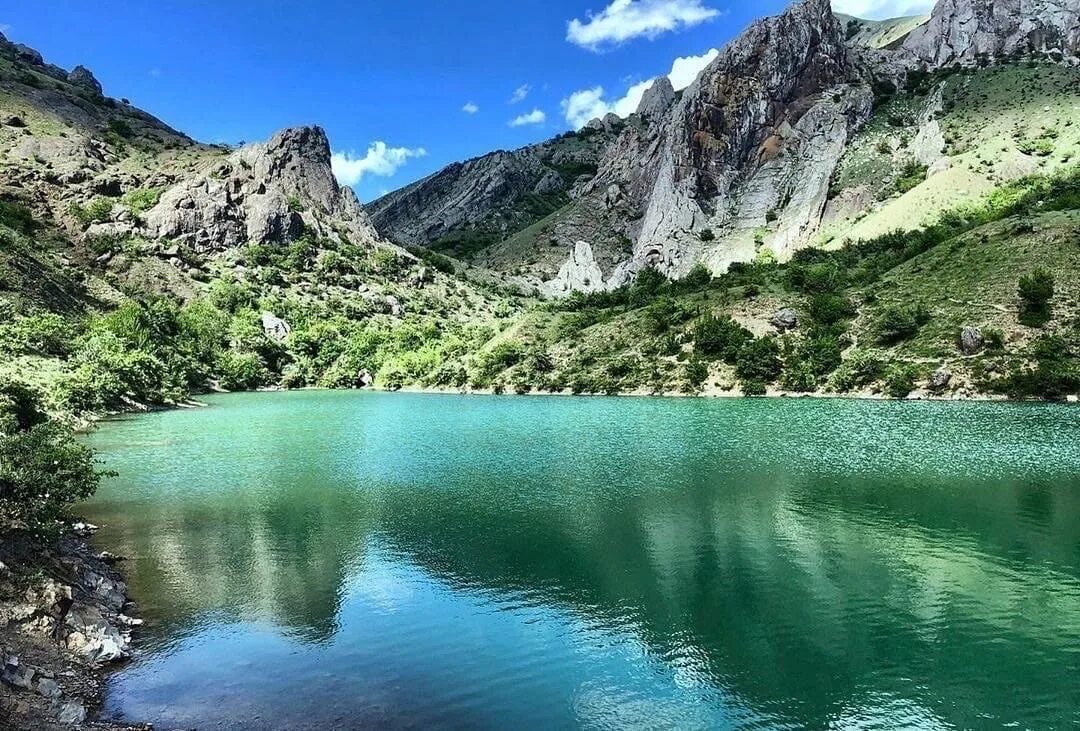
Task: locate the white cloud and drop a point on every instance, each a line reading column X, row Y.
column 536, row 116
column 623, row 20
column 380, row 160
column 587, row 104
column 470, row 108
column 685, row 69
column 881, row 9
column 520, row 93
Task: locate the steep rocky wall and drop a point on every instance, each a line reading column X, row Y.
column 970, row 31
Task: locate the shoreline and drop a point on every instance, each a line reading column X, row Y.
column 65, row 620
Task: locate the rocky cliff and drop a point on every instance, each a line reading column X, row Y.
column 743, row 163
column 982, row 31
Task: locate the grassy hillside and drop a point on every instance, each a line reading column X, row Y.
column 949, row 139
column 877, row 316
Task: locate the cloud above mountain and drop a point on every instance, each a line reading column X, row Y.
column 381, row 160
column 586, row 104
column 624, row 20
column 881, row 9
column 534, row 117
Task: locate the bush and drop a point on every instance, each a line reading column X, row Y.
column 754, row 388
column 1054, row 372
column 900, row 380
column 43, row 469
column 759, row 360
column 695, row 372
column 98, row 210
column 829, row 309
column 698, row 276
column 142, row 199
column 858, row 371
column 1035, row 291
column 707, row 235
column 912, row 175
column 901, row 322
column 721, row 338
column 242, row 371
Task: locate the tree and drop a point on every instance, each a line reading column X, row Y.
column 43, row 469
column 1035, row 291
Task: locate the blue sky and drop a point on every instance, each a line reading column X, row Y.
column 403, row 87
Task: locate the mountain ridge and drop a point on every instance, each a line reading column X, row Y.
column 667, row 185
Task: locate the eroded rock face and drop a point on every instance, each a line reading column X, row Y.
column 963, row 31
column 266, row 192
column 757, row 135
column 580, row 273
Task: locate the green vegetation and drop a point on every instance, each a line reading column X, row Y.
column 142, row 199
column 1035, row 291
column 43, row 469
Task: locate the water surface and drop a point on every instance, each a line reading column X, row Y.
column 323, row 560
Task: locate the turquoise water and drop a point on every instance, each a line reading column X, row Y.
column 324, row 560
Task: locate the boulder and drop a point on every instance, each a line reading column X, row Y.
column 971, row 340
column 274, row 327
column 16, row 674
column 939, row 380
column 48, row 688
column 784, row 319
column 395, row 306
column 72, row 713
column 93, row 637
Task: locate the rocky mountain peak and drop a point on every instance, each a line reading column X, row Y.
column 657, row 99
column 82, row 76
column 271, row 191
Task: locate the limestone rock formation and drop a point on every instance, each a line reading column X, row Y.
column 264, row 192
column 747, row 152
column 579, row 273
column 657, row 99
column 967, row 31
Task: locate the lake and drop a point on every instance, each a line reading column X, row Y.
column 326, row 560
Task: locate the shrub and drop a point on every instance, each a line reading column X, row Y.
column 911, row 176
column 698, row 276
column 798, row 376
column 754, row 388
column 142, row 199
column 43, row 469
column 707, row 234
column 829, row 309
column 98, row 210
column 858, row 371
column 242, row 371
column 1035, row 291
column 759, row 360
column 1053, row 373
column 901, row 322
column 721, row 338
column 900, row 380
column 295, row 205
column 695, row 372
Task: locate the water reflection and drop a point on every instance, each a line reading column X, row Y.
column 638, row 563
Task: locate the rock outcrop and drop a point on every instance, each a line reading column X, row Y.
column 968, row 32
column 579, row 273
column 265, row 192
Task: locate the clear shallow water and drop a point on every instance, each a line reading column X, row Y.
column 324, row 560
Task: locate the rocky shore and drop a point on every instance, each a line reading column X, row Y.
column 64, row 618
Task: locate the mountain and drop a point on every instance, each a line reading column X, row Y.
column 745, row 162
column 830, row 207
